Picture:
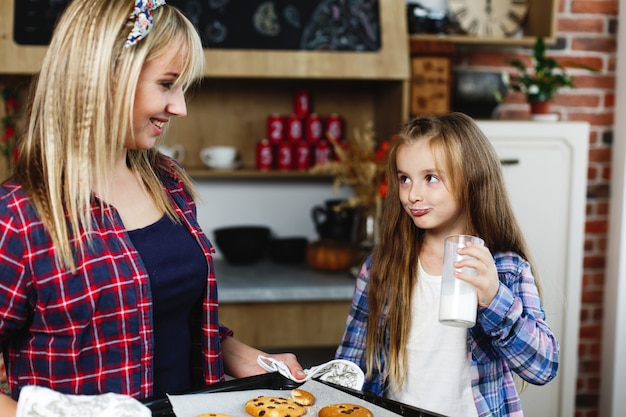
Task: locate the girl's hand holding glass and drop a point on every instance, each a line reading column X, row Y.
column 486, row 279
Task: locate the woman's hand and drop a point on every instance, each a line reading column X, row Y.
column 486, row 279
column 240, row 360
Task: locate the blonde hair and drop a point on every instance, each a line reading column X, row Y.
column 476, row 179
column 81, row 110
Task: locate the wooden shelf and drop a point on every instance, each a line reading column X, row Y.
column 233, row 112
column 540, row 21
column 251, row 173
column 389, row 62
column 242, row 87
column 479, row 41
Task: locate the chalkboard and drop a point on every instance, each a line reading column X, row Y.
column 329, row 25
column 34, row 20
column 332, row 25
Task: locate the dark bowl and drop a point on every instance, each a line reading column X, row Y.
column 288, row 250
column 242, row 245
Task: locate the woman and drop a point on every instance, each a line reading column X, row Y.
column 106, row 278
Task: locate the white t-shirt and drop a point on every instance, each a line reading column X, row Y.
column 438, row 377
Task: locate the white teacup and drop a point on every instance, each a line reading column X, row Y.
column 175, row 151
column 219, row 156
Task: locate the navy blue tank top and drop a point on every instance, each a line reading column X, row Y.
column 178, row 273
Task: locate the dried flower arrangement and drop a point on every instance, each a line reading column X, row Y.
column 359, row 164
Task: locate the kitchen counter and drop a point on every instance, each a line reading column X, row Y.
column 270, row 305
column 270, row 282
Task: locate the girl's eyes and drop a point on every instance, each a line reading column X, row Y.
column 167, row 84
column 432, row 178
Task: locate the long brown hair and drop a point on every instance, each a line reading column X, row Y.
column 477, row 182
column 81, row 108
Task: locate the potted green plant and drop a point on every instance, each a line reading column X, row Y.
column 542, row 79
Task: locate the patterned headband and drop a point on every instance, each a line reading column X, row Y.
column 142, row 14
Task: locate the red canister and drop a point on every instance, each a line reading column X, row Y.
column 301, row 103
column 323, row 152
column 264, row 155
column 294, row 129
column 275, row 128
column 313, row 128
column 302, row 156
column 284, row 157
column 334, row 127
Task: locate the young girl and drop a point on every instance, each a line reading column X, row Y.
column 445, row 179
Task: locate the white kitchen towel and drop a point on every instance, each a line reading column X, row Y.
column 43, row 402
column 338, row 371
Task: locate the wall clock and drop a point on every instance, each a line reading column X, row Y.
column 489, row 18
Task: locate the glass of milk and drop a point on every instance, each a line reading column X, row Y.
column 459, row 302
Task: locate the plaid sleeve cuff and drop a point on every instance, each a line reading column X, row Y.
column 225, row 332
column 503, row 310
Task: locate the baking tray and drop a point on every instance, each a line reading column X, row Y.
column 161, row 407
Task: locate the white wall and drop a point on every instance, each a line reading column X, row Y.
column 612, row 398
column 283, row 205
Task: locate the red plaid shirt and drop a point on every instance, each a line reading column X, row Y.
column 88, row 332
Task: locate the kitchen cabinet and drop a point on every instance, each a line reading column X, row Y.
column 302, row 324
column 234, row 112
column 540, row 21
column 242, row 87
column 545, row 170
column 389, row 62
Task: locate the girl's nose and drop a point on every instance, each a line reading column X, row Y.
column 415, row 193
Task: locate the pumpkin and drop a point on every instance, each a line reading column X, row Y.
column 330, row 255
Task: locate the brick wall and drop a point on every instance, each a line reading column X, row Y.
column 586, row 31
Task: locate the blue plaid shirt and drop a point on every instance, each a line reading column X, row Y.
column 510, row 336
